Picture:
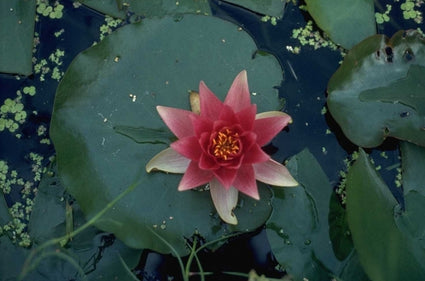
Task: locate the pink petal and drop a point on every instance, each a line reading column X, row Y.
column 268, row 124
column 246, row 117
column 194, row 177
column 228, row 115
column 238, row 96
column 255, row 155
column 225, row 176
column 201, row 125
column 207, row 162
column 273, row 173
column 188, row 147
column 245, row 181
column 210, row 104
column 178, row 120
column 169, row 161
column 224, row 200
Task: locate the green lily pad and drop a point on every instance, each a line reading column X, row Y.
column 378, row 91
column 274, row 8
column 298, row 229
column 386, row 251
column 148, row 8
column 346, row 22
column 97, row 254
column 411, row 219
column 119, row 82
column 16, row 33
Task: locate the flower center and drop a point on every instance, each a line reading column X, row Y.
column 226, row 144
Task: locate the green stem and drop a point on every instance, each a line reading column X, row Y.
column 176, row 254
column 201, row 269
column 190, row 259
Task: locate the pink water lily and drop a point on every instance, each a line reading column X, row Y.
column 222, row 146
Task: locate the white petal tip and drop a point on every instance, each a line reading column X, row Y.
column 231, row 219
column 169, row 161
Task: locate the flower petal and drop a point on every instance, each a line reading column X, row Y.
column 227, row 115
column 169, row 161
column 247, row 116
column 178, row 120
column 225, row 176
column 273, row 173
column 224, row 200
column 194, row 177
column 210, row 104
column 245, row 181
column 188, row 147
column 238, row 96
column 201, row 125
column 255, row 155
column 268, row 124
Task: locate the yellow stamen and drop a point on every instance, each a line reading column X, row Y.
column 226, row 144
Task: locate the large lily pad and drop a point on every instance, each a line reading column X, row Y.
column 118, row 84
column 16, row 33
column 148, row 8
column 298, row 229
column 378, row 91
column 346, row 22
column 387, row 250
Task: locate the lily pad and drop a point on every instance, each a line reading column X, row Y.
column 411, row 219
column 119, row 82
column 298, row 229
column 16, row 33
column 274, row 8
column 386, row 251
column 384, row 77
column 148, row 8
column 346, row 22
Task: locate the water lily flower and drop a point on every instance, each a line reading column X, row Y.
column 222, row 146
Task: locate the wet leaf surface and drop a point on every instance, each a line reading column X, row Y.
column 153, row 63
column 346, row 22
column 16, row 33
column 378, row 90
column 386, row 250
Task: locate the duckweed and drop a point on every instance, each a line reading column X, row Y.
column 20, row 211
column 307, row 36
column 29, row 90
column 12, row 114
column 409, row 12
column 54, row 11
column 383, row 17
column 110, row 25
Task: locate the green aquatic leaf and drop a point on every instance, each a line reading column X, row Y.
column 98, row 254
column 385, row 252
column 338, row 229
column 410, row 221
column 346, row 22
column 298, row 229
column 119, row 82
column 146, row 135
column 378, row 91
column 148, row 8
column 273, row 8
column 16, row 33
column 409, row 90
column 413, row 166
